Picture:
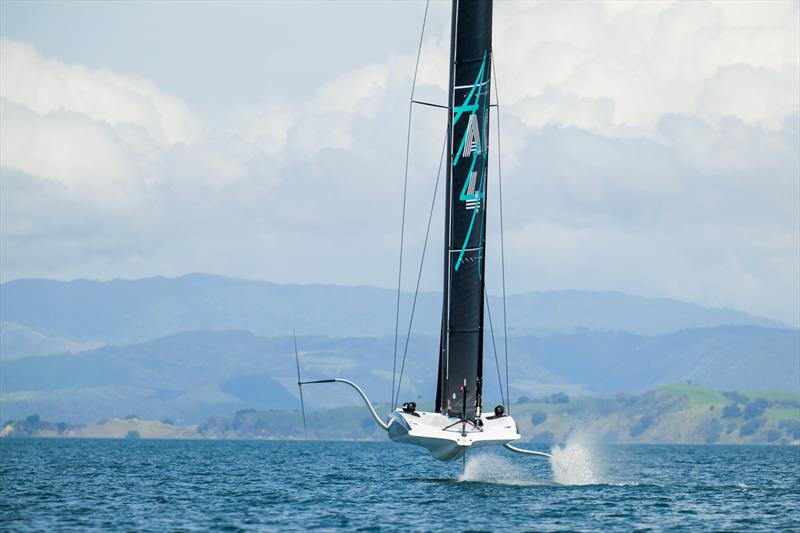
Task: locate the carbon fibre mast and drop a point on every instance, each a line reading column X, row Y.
column 457, row 422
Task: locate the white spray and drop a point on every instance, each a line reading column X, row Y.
column 576, row 463
column 491, row 468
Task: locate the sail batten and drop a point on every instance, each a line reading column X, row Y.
column 461, row 346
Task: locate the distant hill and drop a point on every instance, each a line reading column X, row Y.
column 616, row 311
column 724, row 357
column 127, row 311
column 127, row 428
column 669, row 414
column 193, row 375
column 18, row 341
column 187, row 376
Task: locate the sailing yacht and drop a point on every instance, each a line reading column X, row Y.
column 458, row 422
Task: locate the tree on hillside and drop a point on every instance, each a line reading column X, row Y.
column 710, row 430
column 749, row 428
column 731, row 411
column 559, row 397
column 538, row 417
column 755, row 408
column 792, row 427
column 736, row 397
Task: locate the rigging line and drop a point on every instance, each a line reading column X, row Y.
column 299, row 382
column 494, row 346
column 405, row 191
column 502, row 240
column 429, row 104
column 421, row 264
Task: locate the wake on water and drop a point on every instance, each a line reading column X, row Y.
column 491, row 468
column 573, row 463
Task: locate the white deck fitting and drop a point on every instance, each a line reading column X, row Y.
column 428, row 430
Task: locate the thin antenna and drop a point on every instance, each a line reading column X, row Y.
column 300, row 383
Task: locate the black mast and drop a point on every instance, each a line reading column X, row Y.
column 461, row 347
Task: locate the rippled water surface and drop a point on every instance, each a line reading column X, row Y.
column 371, row 486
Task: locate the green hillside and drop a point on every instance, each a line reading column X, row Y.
column 671, row 414
column 680, row 414
column 193, row 375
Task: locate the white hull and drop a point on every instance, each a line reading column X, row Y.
column 445, row 437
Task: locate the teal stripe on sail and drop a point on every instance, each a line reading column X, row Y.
column 460, row 110
column 478, row 195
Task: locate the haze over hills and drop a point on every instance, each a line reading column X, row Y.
column 126, row 311
column 196, row 346
column 18, row 341
column 193, row 375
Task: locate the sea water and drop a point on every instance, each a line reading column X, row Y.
column 148, row 485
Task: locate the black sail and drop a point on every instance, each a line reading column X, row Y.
column 461, row 348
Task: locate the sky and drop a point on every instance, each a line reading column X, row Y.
column 651, row 148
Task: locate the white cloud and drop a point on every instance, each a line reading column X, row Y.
column 710, row 215
column 47, row 86
column 650, row 59
column 69, row 148
column 647, row 147
column 93, row 130
column 555, row 106
column 348, row 93
column 757, row 95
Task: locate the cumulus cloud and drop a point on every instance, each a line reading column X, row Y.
column 650, row 59
column 757, row 95
column 93, row 130
column 69, row 147
column 647, row 147
column 47, row 86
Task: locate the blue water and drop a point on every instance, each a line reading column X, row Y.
column 371, row 486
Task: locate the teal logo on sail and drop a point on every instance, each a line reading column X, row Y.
column 472, row 145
